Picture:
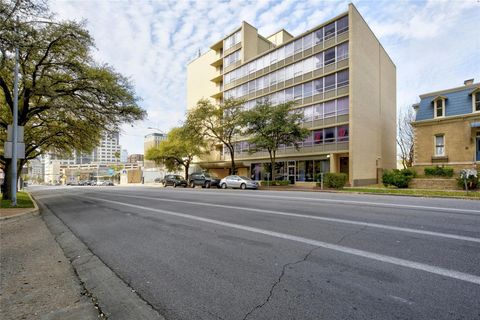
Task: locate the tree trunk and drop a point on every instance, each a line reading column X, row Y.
column 186, row 166
column 272, row 163
column 232, row 161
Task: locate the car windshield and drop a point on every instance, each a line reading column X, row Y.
column 245, row 178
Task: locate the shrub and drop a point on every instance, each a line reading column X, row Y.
column 398, row 178
column 439, row 171
column 470, row 177
column 335, row 180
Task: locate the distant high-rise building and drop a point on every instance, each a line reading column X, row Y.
column 108, row 150
column 153, row 140
column 124, row 156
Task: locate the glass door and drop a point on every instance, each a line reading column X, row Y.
column 291, row 172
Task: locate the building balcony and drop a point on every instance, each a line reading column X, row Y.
column 218, row 78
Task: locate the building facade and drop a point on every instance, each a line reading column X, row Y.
column 152, row 140
column 108, row 149
column 340, row 77
column 447, row 128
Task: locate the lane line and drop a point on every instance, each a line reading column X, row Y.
column 346, row 202
column 361, row 253
column 298, row 215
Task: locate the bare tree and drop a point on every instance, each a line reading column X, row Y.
column 405, row 137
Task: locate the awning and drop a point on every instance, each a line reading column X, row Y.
column 475, row 124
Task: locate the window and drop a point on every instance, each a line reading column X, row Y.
column 318, row 111
column 307, row 89
column 330, row 82
column 289, row 94
column 342, row 133
column 231, row 58
column 330, row 135
column 273, row 57
column 232, row 40
column 342, row 78
column 318, row 136
column 281, row 53
column 281, row 75
column 289, row 50
column 342, row 51
column 342, row 106
column 342, row 24
column 307, row 41
column 330, row 56
column 476, row 101
column 308, row 65
column 289, row 72
column 318, row 36
column 297, row 92
column 329, row 109
column 440, row 145
column 308, row 113
column 439, row 106
column 329, row 30
column 298, row 45
column 298, row 68
column 318, row 61
column 308, row 142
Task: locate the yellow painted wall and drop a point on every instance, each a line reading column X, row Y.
column 199, row 74
column 280, row 37
column 372, row 104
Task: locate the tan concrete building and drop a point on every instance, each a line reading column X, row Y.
column 340, row 77
column 447, row 128
column 150, row 141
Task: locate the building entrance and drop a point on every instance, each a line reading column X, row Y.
column 344, row 165
column 291, row 172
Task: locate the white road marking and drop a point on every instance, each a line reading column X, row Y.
column 297, row 215
column 361, row 253
column 339, row 201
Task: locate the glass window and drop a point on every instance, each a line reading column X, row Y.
column 330, row 82
column 308, row 65
column 329, row 30
column 307, row 41
column 307, row 89
column 318, row 111
column 308, row 142
column 298, row 45
column 342, row 133
column 440, row 145
column 308, row 113
column 273, row 78
column 318, row 36
column 330, row 56
column 244, row 89
column 318, row 86
column 260, row 83
column 289, row 94
column 342, row 106
column 298, row 68
column 318, row 136
column 297, row 92
column 342, row 24
column 289, row 72
column 266, row 80
column 273, row 57
column 439, row 108
column 281, row 53
column 477, row 101
column 318, row 61
column 281, row 96
column 252, row 67
column 342, row 78
column 289, row 49
column 281, row 75
column 231, row 58
column 329, row 135
column 329, row 109
column 342, row 51
column 252, row 86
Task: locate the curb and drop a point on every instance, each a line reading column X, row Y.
column 114, row 298
column 34, row 211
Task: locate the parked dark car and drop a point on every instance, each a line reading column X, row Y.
column 205, row 180
column 174, row 180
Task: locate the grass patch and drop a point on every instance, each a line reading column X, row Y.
column 418, row 192
column 23, row 201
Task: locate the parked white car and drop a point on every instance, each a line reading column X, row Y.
column 238, row 182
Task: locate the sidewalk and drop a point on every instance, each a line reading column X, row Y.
column 37, row 280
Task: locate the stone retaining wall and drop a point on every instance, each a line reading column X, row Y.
column 436, row 184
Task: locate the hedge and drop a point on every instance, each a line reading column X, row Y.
column 439, row 171
column 398, row 178
column 335, row 180
column 275, row 183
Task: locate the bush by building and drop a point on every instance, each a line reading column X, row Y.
column 438, row 171
column 335, row 180
column 275, row 183
column 398, row 178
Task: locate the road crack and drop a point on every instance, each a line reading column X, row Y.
column 277, row 282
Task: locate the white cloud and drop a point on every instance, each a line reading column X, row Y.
column 432, row 43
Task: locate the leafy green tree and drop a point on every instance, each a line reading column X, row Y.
column 270, row 126
column 66, row 99
column 178, row 151
column 218, row 123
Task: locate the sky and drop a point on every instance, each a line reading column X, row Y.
column 434, row 44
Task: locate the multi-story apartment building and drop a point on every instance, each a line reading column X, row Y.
column 340, row 77
column 447, row 128
column 108, row 150
column 150, row 141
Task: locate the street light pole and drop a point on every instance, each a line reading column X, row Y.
column 15, row 130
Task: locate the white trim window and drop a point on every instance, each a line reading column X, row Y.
column 439, row 108
column 476, row 101
column 439, row 140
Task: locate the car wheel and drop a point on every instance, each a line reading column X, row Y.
column 192, row 184
column 243, row 186
column 174, row 184
column 224, row 186
column 207, row 185
column 164, row 184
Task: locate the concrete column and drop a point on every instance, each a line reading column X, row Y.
column 333, row 163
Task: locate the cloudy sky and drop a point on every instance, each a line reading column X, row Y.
column 435, row 44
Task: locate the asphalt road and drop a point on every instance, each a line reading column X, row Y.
column 232, row 254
